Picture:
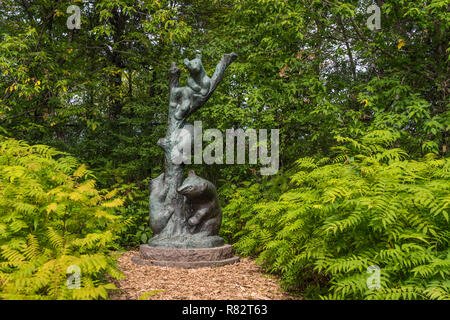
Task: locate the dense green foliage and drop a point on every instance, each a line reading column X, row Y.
column 366, row 112
column 136, row 208
column 367, row 206
column 52, row 218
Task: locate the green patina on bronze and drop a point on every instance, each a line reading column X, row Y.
column 185, row 215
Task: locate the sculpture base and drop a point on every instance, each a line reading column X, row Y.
column 186, row 241
column 185, row 258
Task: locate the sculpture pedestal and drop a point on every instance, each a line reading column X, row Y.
column 185, row 241
column 185, row 258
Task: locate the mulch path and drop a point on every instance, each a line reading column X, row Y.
column 240, row 281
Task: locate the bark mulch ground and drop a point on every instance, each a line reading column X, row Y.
column 241, row 281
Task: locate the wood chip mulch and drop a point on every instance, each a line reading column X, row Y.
column 240, row 281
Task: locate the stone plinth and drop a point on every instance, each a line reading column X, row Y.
column 185, row 258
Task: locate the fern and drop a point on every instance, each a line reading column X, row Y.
column 52, row 218
column 368, row 206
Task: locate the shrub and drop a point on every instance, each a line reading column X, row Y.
column 135, row 207
column 369, row 206
column 53, row 221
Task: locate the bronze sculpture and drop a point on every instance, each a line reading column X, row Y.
column 185, row 214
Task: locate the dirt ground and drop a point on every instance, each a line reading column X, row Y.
column 241, row 281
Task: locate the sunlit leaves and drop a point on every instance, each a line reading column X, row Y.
column 50, row 219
